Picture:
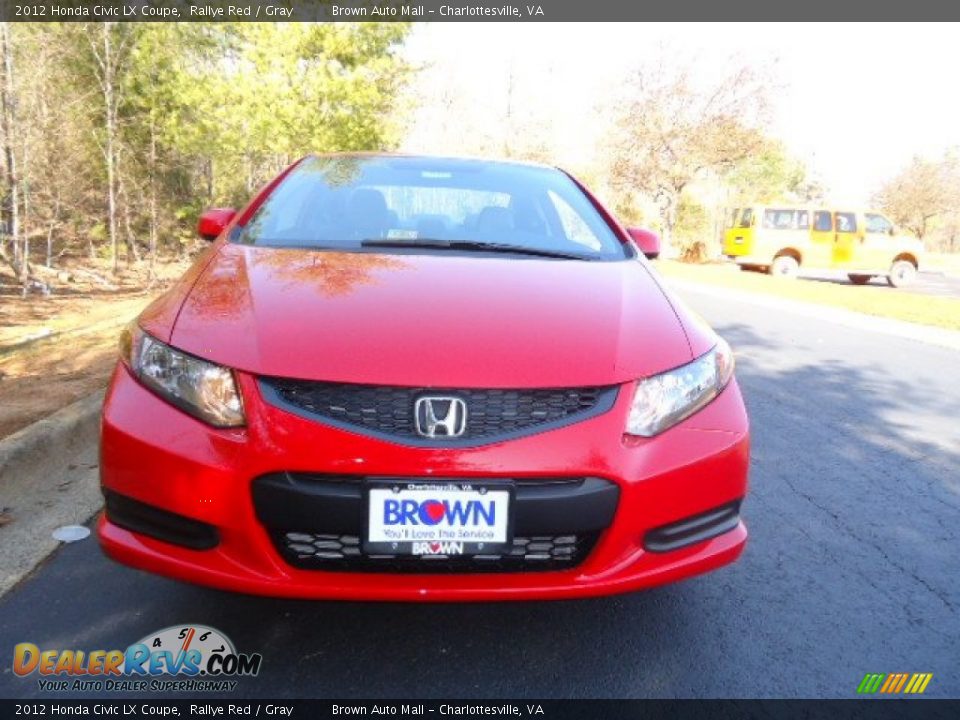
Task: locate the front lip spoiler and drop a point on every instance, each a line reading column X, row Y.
column 606, row 400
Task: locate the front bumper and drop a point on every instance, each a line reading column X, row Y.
column 675, row 512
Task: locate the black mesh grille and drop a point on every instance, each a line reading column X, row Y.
column 342, row 553
column 389, row 411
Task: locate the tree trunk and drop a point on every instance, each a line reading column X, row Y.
column 209, row 174
column 54, row 219
column 24, row 219
column 109, row 100
column 668, row 214
column 153, row 195
column 133, row 255
column 8, row 102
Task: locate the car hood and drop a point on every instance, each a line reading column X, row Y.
column 440, row 319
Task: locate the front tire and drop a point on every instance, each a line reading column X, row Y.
column 860, row 279
column 785, row 266
column 902, row 273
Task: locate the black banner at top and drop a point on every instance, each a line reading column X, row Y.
column 474, row 11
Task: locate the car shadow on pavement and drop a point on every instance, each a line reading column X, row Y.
column 855, row 488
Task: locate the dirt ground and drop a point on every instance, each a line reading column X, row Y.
column 59, row 347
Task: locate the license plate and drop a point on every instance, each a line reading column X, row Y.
column 415, row 518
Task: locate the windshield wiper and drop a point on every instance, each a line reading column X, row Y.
column 470, row 246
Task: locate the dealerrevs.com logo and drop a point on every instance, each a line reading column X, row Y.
column 178, row 658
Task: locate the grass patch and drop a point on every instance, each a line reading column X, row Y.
column 879, row 300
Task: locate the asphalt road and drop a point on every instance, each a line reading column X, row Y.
column 931, row 283
column 853, row 565
column 927, row 283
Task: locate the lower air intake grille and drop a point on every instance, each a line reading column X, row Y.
column 342, row 553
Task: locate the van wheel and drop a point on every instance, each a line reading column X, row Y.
column 902, row 273
column 785, row 266
column 860, row 279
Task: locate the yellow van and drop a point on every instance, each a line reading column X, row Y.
column 781, row 239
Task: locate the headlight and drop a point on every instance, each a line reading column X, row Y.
column 200, row 388
column 664, row 400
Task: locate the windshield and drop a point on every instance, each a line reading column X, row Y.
column 348, row 203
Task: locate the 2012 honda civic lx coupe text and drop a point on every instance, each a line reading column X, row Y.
column 411, row 378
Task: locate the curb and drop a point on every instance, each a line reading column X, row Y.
column 49, row 476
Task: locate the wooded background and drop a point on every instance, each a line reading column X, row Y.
column 115, row 136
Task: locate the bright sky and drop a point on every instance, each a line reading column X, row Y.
column 855, row 101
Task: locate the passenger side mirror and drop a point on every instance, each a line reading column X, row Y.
column 213, row 221
column 647, row 240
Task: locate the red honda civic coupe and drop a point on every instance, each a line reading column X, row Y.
column 414, row 378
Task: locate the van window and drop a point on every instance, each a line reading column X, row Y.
column 732, row 219
column 780, row 219
column 846, row 222
column 746, row 217
column 803, row 219
column 822, row 221
column 878, row 224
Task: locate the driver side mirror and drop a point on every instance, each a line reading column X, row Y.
column 213, row 221
column 647, row 240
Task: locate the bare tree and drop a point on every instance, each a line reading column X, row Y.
column 670, row 130
column 920, row 193
column 109, row 55
column 107, row 77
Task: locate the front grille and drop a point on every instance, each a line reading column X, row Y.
column 318, row 551
column 388, row 411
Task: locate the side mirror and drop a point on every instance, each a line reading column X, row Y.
column 647, row 240
column 213, row 221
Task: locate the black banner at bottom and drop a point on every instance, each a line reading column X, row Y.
column 880, row 709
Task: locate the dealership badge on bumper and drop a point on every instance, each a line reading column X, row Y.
column 438, row 519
